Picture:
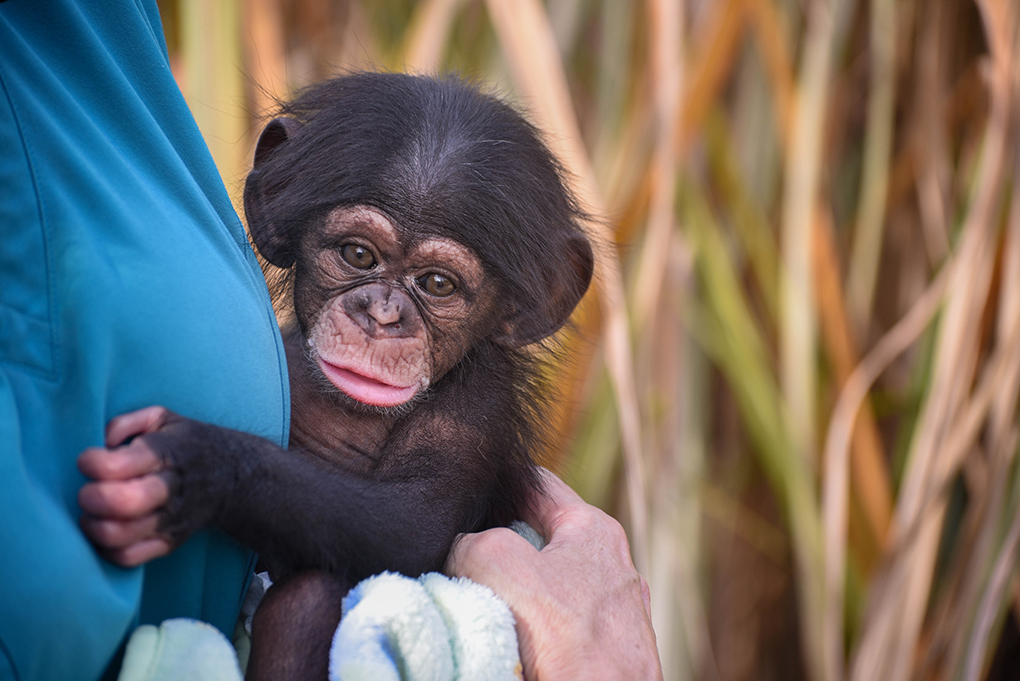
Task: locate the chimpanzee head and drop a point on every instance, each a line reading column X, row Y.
column 420, row 217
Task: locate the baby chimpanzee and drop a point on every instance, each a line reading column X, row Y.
column 427, row 237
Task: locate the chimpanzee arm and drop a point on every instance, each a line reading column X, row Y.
column 302, row 513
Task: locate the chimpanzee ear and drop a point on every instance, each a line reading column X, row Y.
column 269, row 237
column 278, row 131
column 571, row 275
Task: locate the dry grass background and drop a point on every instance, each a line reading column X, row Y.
column 796, row 380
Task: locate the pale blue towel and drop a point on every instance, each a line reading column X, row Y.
column 179, row 649
column 429, row 629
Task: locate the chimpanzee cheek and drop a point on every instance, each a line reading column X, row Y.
column 448, row 348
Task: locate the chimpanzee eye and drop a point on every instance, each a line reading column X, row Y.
column 358, row 256
column 436, row 285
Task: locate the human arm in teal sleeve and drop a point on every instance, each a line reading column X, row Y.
column 125, row 280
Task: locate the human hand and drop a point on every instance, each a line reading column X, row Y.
column 582, row 609
column 121, row 507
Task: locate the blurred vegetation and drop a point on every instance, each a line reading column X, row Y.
column 796, row 380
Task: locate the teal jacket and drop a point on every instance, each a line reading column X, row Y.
column 125, row 281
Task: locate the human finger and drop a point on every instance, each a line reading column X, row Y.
column 478, row 552
column 125, row 499
column 140, row 552
column 122, row 463
column 147, row 420
column 118, row 534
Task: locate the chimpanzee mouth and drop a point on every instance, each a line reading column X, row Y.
column 364, row 389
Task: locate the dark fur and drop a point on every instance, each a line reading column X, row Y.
column 439, row 158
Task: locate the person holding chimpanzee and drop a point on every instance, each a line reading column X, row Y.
column 126, row 280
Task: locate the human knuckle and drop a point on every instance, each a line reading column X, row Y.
column 614, row 530
column 119, row 464
column 586, row 520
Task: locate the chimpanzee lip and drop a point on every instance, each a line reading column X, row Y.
column 365, row 389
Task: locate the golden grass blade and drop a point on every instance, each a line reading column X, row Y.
column 837, row 446
column 665, row 23
column 428, row 35
column 527, row 39
column 800, row 194
column 1003, row 436
column 797, row 325
column 1003, row 417
column 673, row 376
column 213, row 85
column 870, row 481
column 992, row 601
column 727, row 331
column 890, row 638
column 593, row 467
column 976, row 602
column 929, row 145
column 999, row 382
column 867, row 244
column 677, row 614
column 621, row 73
column 779, row 66
column 749, row 220
column 715, row 60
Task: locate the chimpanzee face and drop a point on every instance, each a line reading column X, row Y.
column 416, row 218
column 387, row 313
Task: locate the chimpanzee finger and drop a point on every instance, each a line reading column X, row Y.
column 119, row 534
column 147, row 420
column 140, row 552
column 118, row 464
column 125, row 499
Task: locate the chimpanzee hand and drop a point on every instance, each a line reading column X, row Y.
column 132, row 510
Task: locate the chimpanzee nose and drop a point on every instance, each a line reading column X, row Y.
column 380, row 309
column 385, row 311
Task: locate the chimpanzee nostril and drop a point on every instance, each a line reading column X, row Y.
column 362, row 299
